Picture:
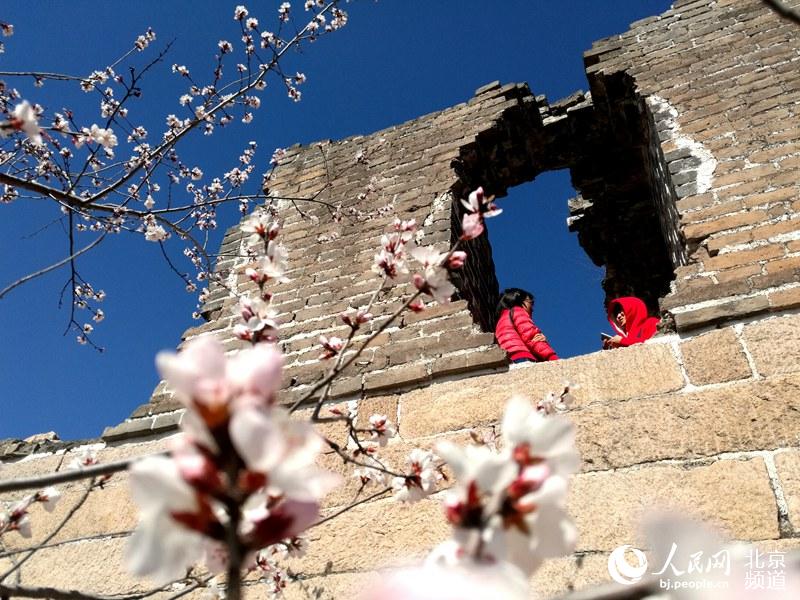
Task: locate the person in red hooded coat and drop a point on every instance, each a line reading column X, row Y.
column 628, row 316
column 516, row 332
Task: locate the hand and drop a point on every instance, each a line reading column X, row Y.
column 539, row 337
column 613, row 342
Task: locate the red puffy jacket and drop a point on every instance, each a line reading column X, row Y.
column 638, row 325
column 516, row 337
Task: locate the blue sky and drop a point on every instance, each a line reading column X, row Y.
column 396, row 60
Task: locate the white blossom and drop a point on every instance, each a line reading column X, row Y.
column 155, row 233
column 421, row 478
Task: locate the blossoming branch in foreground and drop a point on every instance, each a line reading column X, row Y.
column 507, row 510
column 241, row 466
column 15, row 517
column 478, row 207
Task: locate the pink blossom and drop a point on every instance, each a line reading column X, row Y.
column 382, row 429
column 354, row 321
column 471, row 226
column 514, row 500
column 457, row 259
column 331, row 346
column 49, row 497
column 197, row 376
column 421, row 478
column 417, row 306
column 259, row 320
column 155, row 233
column 478, row 202
column 428, row 256
column 464, row 579
column 283, row 449
column 24, row 118
column 161, row 546
column 435, row 283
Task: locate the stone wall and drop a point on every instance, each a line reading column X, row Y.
column 711, row 429
column 686, row 146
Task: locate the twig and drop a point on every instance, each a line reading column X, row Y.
column 52, row 267
column 98, row 536
column 784, row 11
column 30, row 483
column 52, row 534
column 334, row 373
column 24, row 591
column 350, row 506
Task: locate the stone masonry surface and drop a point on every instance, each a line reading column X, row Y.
column 717, row 443
column 686, row 145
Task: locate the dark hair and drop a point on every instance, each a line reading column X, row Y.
column 512, row 297
column 616, row 308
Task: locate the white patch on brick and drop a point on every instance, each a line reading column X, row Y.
column 775, row 239
column 440, row 203
column 777, row 489
column 708, row 164
column 737, row 330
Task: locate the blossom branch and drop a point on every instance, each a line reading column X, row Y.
column 53, row 533
column 335, row 372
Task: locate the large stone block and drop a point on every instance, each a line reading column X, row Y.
column 733, row 495
column 747, row 416
column 602, row 377
column 715, row 357
column 775, row 344
column 724, row 311
column 93, row 567
column 104, row 511
column 375, row 535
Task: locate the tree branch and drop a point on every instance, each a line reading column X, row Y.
column 43, row 190
column 52, row 534
column 31, row 483
column 52, row 267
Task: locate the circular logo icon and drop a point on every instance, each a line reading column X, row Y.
column 621, row 570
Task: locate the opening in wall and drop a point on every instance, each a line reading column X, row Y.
column 534, row 250
column 623, row 211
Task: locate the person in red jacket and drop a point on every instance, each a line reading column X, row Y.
column 515, row 331
column 628, row 316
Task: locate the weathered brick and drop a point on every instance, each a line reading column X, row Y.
column 774, row 344
column 399, row 534
column 93, row 566
column 784, row 299
column 408, row 375
column 733, row 495
column 742, row 417
column 602, row 377
column 743, row 257
column 720, row 312
column 714, row 357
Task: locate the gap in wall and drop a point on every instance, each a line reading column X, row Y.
column 533, row 249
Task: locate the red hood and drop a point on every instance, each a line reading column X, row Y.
column 635, row 317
